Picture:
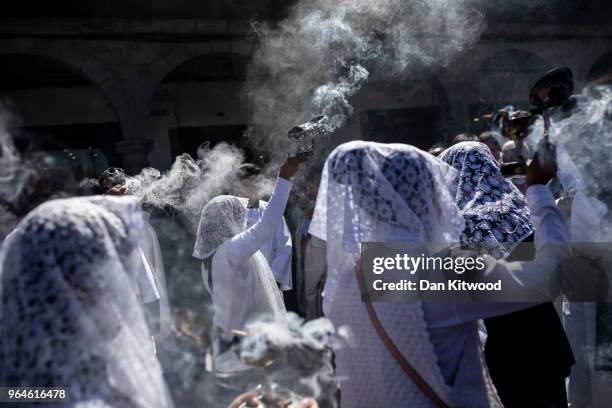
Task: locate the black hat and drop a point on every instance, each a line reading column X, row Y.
column 111, row 177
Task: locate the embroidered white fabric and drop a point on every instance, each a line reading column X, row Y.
column 372, row 192
column 70, row 315
column 495, row 211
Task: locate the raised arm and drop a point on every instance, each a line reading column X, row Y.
column 524, row 280
column 537, row 278
column 281, row 256
column 244, row 245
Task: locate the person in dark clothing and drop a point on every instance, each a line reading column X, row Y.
column 527, row 352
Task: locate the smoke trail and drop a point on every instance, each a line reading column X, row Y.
column 15, row 175
column 322, row 53
column 585, row 140
column 190, row 183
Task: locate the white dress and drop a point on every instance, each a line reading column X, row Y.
column 243, row 286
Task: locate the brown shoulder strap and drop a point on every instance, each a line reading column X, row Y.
column 395, row 352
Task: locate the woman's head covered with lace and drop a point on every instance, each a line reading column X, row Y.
column 70, row 314
column 222, row 218
column 495, row 211
column 374, row 192
column 378, row 187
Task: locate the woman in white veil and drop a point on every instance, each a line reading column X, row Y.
column 234, row 270
column 372, row 192
column 70, row 316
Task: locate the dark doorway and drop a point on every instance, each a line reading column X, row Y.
column 84, row 150
column 419, row 126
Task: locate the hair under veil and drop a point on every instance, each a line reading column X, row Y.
column 495, row 211
column 70, row 314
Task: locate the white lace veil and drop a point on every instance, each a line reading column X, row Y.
column 374, row 192
column 69, row 314
column 222, row 218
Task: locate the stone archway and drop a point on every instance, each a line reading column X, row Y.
column 63, row 115
column 198, row 101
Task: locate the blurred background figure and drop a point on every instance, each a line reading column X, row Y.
column 152, row 280
column 511, row 159
column 311, row 268
column 489, row 139
column 510, row 153
column 315, row 274
column 437, row 149
column 463, row 137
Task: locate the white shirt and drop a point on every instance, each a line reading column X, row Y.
column 276, row 250
column 449, row 331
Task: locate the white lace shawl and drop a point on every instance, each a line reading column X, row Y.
column 70, row 315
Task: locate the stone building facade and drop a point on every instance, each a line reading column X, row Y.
column 158, row 83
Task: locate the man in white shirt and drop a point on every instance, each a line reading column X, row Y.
column 150, row 279
column 277, row 250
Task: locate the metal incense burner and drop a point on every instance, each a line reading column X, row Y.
column 552, row 90
column 305, row 134
column 514, row 124
column 269, row 394
column 111, row 177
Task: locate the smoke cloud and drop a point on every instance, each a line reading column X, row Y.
column 312, row 62
column 191, row 183
column 585, row 138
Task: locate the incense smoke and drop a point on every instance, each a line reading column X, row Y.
column 191, row 183
column 585, row 138
column 311, row 63
column 295, row 358
column 11, row 184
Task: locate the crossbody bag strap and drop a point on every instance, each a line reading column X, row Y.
column 395, row 352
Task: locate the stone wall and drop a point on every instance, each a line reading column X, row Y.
column 127, row 60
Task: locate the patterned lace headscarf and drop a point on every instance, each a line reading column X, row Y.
column 222, row 218
column 69, row 314
column 495, row 211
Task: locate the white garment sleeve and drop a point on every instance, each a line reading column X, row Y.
column 281, row 257
column 146, row 280
column 533, row 279
column 244, row 245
